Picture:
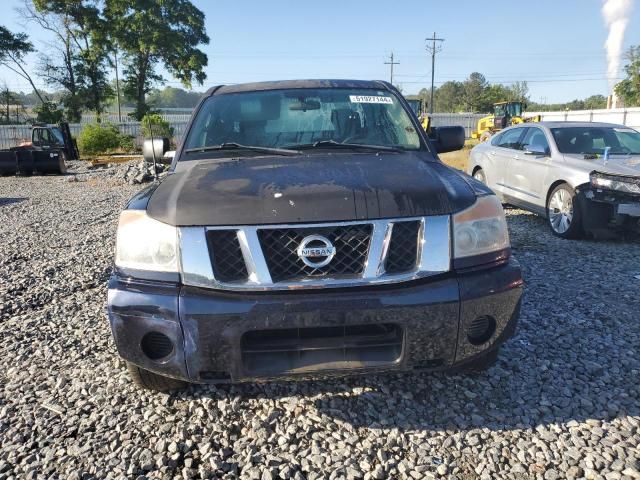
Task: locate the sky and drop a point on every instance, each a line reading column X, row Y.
column 555, row 45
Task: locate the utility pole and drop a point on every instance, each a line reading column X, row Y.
column 433, row 49
column 391, row 63
column 118, row 86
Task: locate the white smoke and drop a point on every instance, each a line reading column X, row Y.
column 616, row 15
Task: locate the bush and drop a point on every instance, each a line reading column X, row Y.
column 48, row 112
column 96, row 138
column 160, row 127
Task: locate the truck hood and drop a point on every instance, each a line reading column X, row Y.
column 617, row 164
column 309, row 188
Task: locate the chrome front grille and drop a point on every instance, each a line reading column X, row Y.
column 280, row 246
column 226, row 255
column 268, row 257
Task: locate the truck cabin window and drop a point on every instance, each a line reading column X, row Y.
column 299, row 117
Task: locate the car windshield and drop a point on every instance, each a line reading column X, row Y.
column 309, row 118
column 594, row 140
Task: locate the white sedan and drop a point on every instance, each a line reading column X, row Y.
column 581, row 176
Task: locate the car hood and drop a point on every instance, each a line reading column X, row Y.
column 309, row 188
column 616, row 165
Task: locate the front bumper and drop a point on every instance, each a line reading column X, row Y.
column 230, row 337
column 605, row 208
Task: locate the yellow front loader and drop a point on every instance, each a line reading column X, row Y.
column 504, row 115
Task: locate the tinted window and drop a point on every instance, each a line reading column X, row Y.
column 536, row 137
column 593, row 140
column 509, row 139
column 286, row 118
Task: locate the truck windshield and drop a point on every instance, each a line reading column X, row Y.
column 594, row 140
column 302, row 118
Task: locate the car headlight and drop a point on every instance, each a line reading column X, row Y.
column 614, row 182
column 480, row 229
column 143, row 243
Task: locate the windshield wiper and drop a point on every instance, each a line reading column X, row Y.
column 334, row 144
column 238, row 146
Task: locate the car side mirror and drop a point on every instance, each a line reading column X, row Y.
column 447, row 139
column 155, row 146
column 535, row 150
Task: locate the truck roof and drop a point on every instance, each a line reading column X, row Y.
column 291, row 84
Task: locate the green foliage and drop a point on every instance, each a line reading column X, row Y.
column 171, row 97
column 81, row 37
column 590, row 103
column 629, row 88
column 48, row 112
column 159, row 126
column 14, row 47
column 96, row 139
column 152, row 32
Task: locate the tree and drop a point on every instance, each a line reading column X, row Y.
column 519, row 92
column 7, row 98
column 14, row 47
column 473, row 90
column 447, row 97
column 82, row 45
column 171, row 97
column 595, row 101
column 629, row 88
column 493, row 94
column 150, row 32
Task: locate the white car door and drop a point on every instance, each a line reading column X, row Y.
column 527, row 172
column 499, row 154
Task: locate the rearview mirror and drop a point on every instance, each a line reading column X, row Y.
column 305, row 105
column 447, row 139
column 536, row 150
column 155, row 146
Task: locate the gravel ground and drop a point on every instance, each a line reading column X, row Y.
column 563, row 401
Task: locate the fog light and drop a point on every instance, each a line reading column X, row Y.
column 156, row 345
column 481, row 329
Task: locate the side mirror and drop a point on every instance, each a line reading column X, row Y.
column 447, row 139
column 155, row 146
column 535, row 150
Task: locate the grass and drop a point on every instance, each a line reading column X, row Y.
column 459, row 159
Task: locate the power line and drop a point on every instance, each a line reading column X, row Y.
column 391, row 63
column 433, row 49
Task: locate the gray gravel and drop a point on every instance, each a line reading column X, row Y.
column 562, row 402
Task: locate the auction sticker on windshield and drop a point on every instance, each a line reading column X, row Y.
column 370, row 99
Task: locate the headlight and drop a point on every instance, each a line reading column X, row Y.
column 146, row 244
column 480, row 229
column 613, row 182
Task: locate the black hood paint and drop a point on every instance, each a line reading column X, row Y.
column 309, row 188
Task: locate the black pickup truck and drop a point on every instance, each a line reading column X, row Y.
column 308, row 228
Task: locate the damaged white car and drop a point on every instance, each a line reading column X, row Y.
column 583, row 177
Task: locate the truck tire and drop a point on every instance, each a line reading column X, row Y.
column 152, row 381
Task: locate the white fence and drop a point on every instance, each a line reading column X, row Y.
column 469, row 121
column 13, row 135
column 623, row 116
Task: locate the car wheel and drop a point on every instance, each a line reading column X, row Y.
column 564, row 219
column 485, row 137
column 480, row 176
column 152, row 381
